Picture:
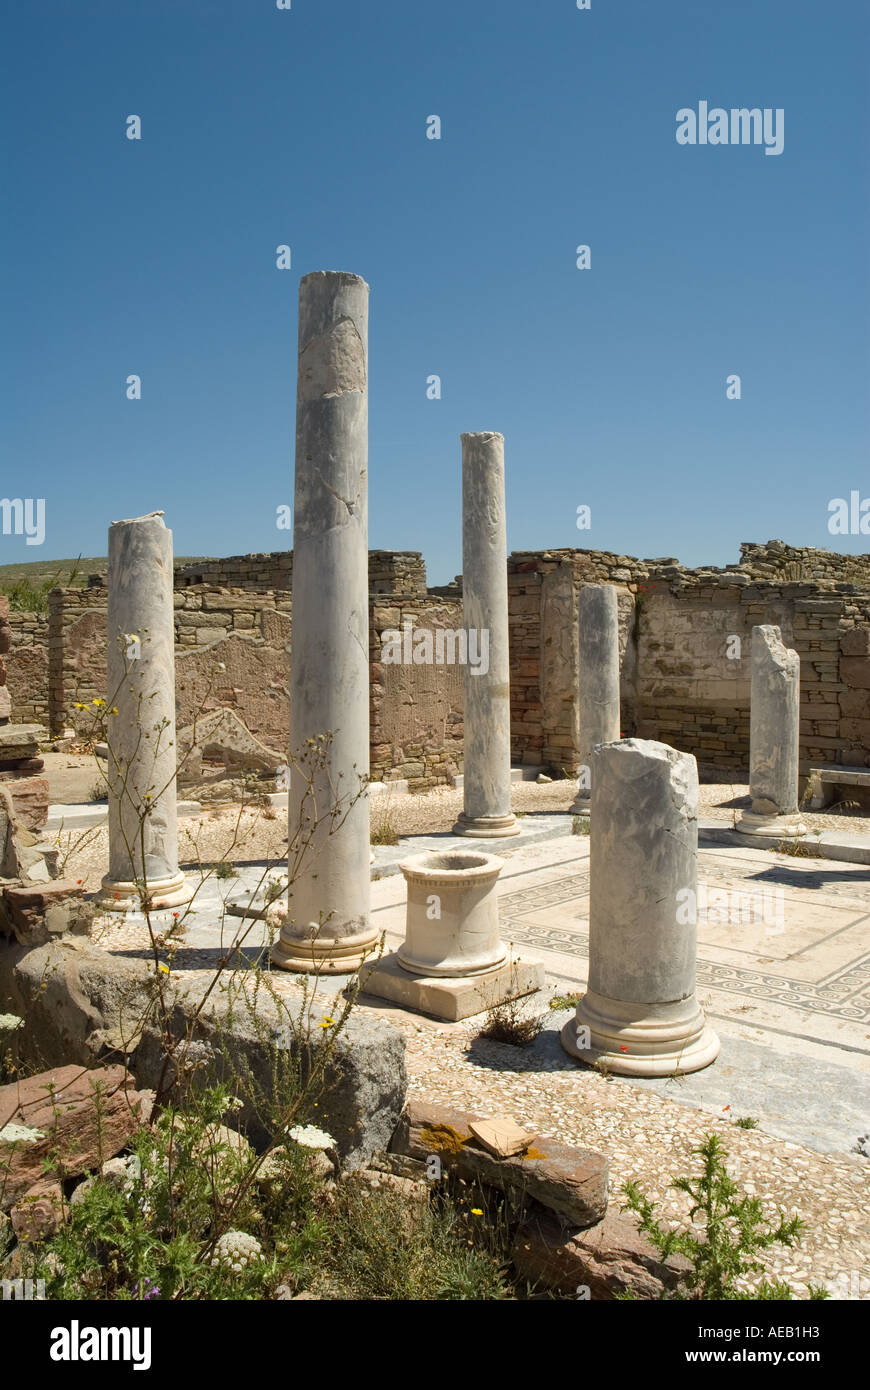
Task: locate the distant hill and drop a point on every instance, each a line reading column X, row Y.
column 27, row 584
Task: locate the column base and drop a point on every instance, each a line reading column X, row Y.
column 641, row 1039
column 580, row 806
column 319, row 955
column 449, row 998
column 119, row 895
column 486, row 827
column 789, row 827
column 428, row 972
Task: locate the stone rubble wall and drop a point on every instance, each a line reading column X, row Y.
column 233, row 624
column 677, row 626
column 390, row 572
column 776, row 561
column 27, row 667
column 416, row 711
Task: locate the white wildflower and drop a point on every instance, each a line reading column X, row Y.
column 20, row 1134
column 310, row 1137
column 236, row 1251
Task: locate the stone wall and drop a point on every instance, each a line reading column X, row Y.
column 390, row 572
column 263, row 571
column 685, row 638
column 76, row 655
column 777, row 561
column 544, row 657
column 416, row 710
column 27, row 668
column 233, row 651
column 684, row 641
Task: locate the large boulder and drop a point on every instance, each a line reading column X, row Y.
column 82, row 1004
column 247, row 1036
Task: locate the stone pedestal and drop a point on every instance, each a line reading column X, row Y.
column 773, row 738
column 599, row 677
column 486, row 810
column 328, row 928
column 452, row 915
column 453, row 962
column 140, row 680
column 640, row 1015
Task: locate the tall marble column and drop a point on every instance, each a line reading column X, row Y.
column 143, row 837
column 327, row 927
column 486, row 811
column 774, row 720
column 599, row 678
column 640, row 1015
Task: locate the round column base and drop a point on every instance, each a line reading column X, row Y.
column 454, row 972
column 319, row 955
column 789, row 827
column 580, row 806
column 641, row 1039
column 120, row 895
column 486, row 827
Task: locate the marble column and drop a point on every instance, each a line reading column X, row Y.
column 640, row 1015
column 327, row 927
column 486, row 810
column 599, row 679
column 773, row 738
column 140, row 679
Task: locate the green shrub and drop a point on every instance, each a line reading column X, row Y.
column 726, row 1233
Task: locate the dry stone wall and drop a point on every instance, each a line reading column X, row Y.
column 685, row 642
column 416, row 709
column 685, row 638
column 27, row 668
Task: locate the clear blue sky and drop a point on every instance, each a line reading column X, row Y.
column 308, row 127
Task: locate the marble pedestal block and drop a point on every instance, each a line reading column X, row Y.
column 453, row 962
column 640, row 1015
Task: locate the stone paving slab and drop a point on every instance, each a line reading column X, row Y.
column 789, row 995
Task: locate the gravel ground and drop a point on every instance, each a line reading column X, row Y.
column 650, row 1139
column 646, row 1136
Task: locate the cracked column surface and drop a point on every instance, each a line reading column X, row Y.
column 327, row 927
column 486, row 810
column 599, row 678
column 640, row 1015
column 774, row 721
column 140, row 680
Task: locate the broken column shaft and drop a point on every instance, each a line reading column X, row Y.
column 143, row 837
column 598, row 623
column 640, row 1015
column 486, row 810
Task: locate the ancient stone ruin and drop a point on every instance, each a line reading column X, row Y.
column 312, row 684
